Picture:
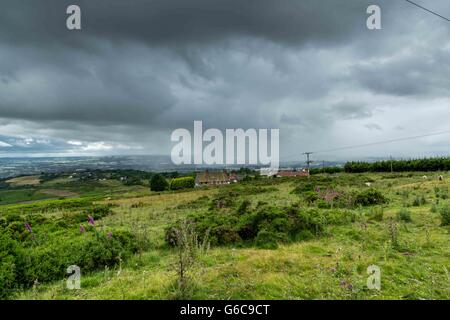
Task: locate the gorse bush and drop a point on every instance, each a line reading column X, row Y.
column 90, row 251
column 404, row 215
column 35, row 248
column 444, row 212
column 8, row 256
column 419, row 201
column 244, row 224
column 370, row 197
column 327, row 197
column 376, row 214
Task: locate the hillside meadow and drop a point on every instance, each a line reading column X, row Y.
column 289, row 238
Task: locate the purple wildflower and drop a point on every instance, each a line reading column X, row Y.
column 28, row 227
column 82, row 228
column 109, row 235
column 91, row 220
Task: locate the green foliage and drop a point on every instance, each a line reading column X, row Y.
column 245, row 224
column 48, row 205
column 329, row 170
column 90, row 251
column 370, row 197
column 444, row 212
column 441, row 193
column 44, row 253
column 419, row 201
column 244, row 206
column 182, row 183
column 404, row 215
column 158, row 183
column 8, row 256
column 427, row 164
column 267, row 240
column 376, row 214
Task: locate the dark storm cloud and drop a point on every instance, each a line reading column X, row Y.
column 139, row 69
column 180, row 21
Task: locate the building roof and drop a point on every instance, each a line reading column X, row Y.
column 210, row 177
column 303, row 173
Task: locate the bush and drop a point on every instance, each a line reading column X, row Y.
column 376, row 214
column 370, row 197
column 404, row 215
column 8, row 253
column 182, row 183
column 244, row 206
column 419, row 201
column 90, row 252
column 264, row 223
column 46, row 258
column 267, row 240
column 158, row 183
column 445, row 215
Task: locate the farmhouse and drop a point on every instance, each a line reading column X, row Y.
column 291, row 173
column 208, row 178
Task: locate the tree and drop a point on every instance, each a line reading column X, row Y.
column 158, row 183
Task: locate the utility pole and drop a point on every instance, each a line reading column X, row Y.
column 308, row 162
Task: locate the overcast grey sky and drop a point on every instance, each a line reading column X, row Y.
column 139, row 69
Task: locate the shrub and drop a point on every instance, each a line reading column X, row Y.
column 310, row 196
column 370, row 197
column 419, row 201
column 182, row 183
column 245, row 224
column 224, row 199
column 158, row 183
column 445, row 215
column 8, row 253
column 46, row 258
column 90, row 252
column 266, row 240
column 244, row 206
column 404, row 215
column 376, row 214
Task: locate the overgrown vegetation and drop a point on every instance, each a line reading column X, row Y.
column 35, row 248
column 270, row 239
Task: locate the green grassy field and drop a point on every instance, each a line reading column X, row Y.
column 413, row 256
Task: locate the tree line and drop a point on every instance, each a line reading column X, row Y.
column 426, row 164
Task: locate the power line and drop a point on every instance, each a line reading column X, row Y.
column 374, row 143
column 384, row 142
column 428, row 10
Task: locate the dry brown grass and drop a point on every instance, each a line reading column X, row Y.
column 24, row 181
